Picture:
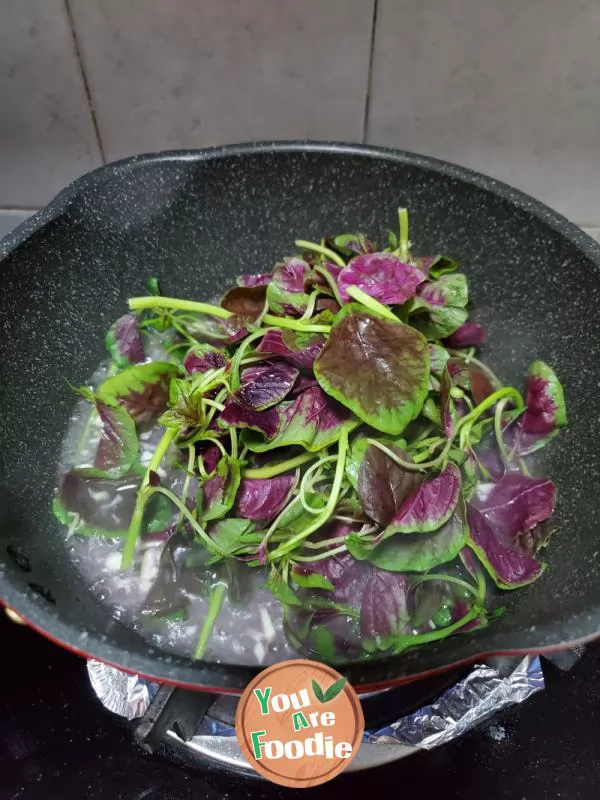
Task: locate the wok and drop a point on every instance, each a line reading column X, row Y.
column 198, row 219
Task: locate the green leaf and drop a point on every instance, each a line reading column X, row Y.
column 154, row 287
column 414, row 552
column 440, row 306
column 142, row 389
column 318, row 692
column 282, row 591
column 312, row 580
column 285, row 303
column 376, row 367
column 322, row 643
column 332, row 692
column 441, row 265
column 229, row 533
column 223, row 489
column 312, row 421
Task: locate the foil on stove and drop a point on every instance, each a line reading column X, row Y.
column 122, row 693
column 483, row 692
column 471, row 701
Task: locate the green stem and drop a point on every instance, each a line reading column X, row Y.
column 319, row 248
column 412, row 466
column 234, row 442
column 292, row 543
column 403, row 240
column 469, row 359
column 234, row 373
column 333, row 552
column 310, row 306
column 275, row 524
column 213, row 403
column 282, row 466
column 294, row 324
column 137, row 303
column 449, row 579
column 135, row 525
column 209, row 543
column 188, row 476
column 214, row 607
column 498, row 430
column 463, row 427
column 336, row 540
column 404, row 642
column 369, row 302
column 330, row 280
column 308, row 481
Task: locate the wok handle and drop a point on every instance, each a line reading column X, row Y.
column 179, row 710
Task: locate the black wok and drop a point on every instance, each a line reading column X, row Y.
column 196, row 220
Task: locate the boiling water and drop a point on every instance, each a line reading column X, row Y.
column 247, row 632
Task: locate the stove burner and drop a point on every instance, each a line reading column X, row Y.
column 197, row 729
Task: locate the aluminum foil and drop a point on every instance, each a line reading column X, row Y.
column 483, row 692
column 124, row 694
column 469, row 702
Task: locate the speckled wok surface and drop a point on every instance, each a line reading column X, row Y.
column 198, row 219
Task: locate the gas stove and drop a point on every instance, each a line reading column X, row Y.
column 58, row 741
column 198, row 729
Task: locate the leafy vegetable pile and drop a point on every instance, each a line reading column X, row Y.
column 328, row 422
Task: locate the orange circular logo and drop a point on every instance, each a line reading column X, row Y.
column 299, row 723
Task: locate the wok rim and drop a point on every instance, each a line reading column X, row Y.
column 228, row 678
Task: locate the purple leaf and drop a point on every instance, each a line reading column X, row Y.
column 384, row 613
column 303, row 383
column 118, row 446
column 376, row 367
column 470, row 334
column 217, row 331
column 204, row 357
column 383, row 485
column 382, row 276
column 79, row 494
column 142, row 389
column 255, row 280
column 313, row 420
column 265, row 385
column 347, row 576
column 499, row 515
column 430, row 506
column 290, row 274
column 545, row 410
column 298, row 348
column 211, row 455
column 245, row 301
column 263, row 498
column 482, row 385
column 238, row 416
column 124, row 342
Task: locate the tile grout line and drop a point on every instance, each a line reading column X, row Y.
column 86, row 86
column 370, row 72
